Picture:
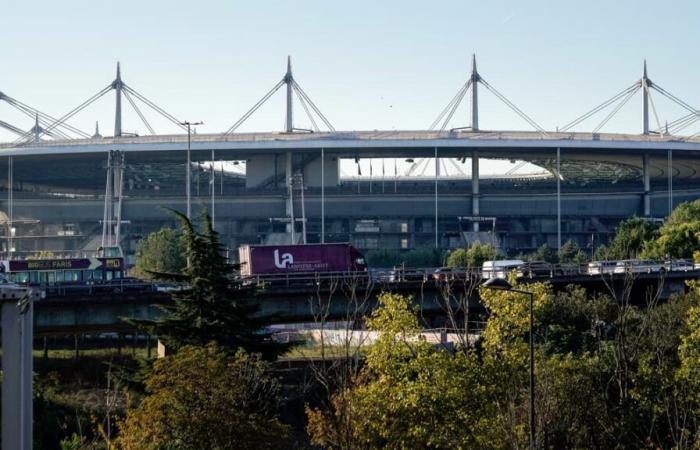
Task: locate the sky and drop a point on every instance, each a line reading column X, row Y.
column 366, row 64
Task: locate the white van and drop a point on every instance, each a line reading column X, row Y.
column 500, row 268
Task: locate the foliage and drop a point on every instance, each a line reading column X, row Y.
column 212, row 308
column 203, row 398
column 420, row 257
column 629, row 240
column 409, row 394
column 570, row 253
column 679, row 235
column 472, row 257
column 161, row 251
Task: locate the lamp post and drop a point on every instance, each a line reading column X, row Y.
column 187, row 172
column 503, row 285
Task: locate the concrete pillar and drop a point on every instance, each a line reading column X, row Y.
column 475, row 188
column 646, row 175
column 17, row 366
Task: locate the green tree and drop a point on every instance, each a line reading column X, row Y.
column 212, row 308
column 472, row 257
column 409, row 394
column 570, row 253
column 630, row 238
column 204, row 398
column 679, row 236
column 162, row 251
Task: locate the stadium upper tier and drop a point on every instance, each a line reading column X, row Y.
column 453, row 142
column 585, row 157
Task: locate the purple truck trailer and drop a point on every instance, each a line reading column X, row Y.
column 308, row 258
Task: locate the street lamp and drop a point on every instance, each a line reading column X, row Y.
column 501, row 284
column 187, row 173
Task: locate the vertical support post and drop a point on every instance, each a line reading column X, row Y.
column 670, row 181
column 117, row 85
column 288, row 79
column 212, row 184
column 303, row 209
column 646, row 175
column 323, row 196
column 17, row 367
column 188, row 172
column 475, row 95
column 558, row 200
column 645, row 100
column 107, row 212
column 290, row 197
column 437, row 174
column 475, row 189
column 10, row 204
column 118, row 191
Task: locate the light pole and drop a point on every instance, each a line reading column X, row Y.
column 501, row 284
column 187, row 172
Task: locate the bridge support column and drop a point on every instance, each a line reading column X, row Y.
column 475, row 188
column 647, row 185
column 17, row 366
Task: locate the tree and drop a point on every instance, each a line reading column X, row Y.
column 570, row 253
column 472, row 257
column 630, row 238
column 161, row 251
column 679, row 236
column 212, row 308
column 205, row 398
column 409, row 394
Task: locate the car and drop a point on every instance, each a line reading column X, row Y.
column 537, row 269
column 681, row 265
column 399, row 274
column 639, row 266
column 601, row 267
column 500, row 268
column 446, row 274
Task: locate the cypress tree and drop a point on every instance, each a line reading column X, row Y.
column 212, row 307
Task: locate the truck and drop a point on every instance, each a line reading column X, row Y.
column 256, row 260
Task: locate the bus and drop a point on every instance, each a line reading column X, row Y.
column 107, row 266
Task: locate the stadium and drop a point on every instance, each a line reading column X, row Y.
column 69, row 191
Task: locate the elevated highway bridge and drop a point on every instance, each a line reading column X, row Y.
column 88, row 311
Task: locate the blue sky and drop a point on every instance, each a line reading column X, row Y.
column 366, row 64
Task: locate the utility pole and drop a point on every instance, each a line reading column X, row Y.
column 188, row 174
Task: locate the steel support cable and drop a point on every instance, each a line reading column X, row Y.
column 16, row 130
column 616, row 109
column 691, row 120
column 77, row 109
column 42, row 123
column 306, row 109
column 313, row 106
column 456, row 104
column 49, row 119
column 153, row 106
column 672, row 97
column 31, row 113
column 684, row 122
column 138, row 111
column 255, row 107
column 516, row 167
column 512, row 106
column 600, row 107
column 460, row 94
